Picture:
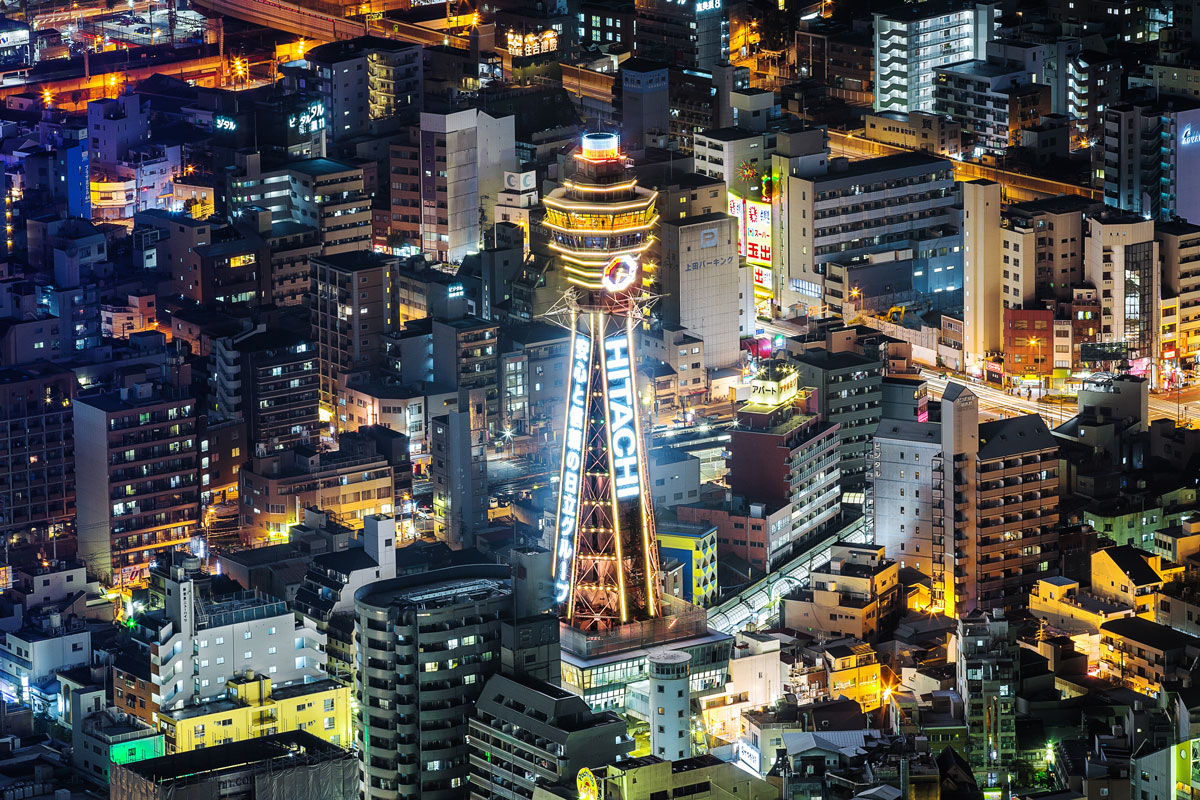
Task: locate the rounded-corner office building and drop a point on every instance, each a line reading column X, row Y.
column 427, row 643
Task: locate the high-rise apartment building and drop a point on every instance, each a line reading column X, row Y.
column 912, row 40
column 427, row 645
column 982, row 284
column 461, row 354
column 855, row 208
column 781, row 452
column 37, row 458
column 555, row 733
column 446, row 176
column 329, row 196
column 987, row 669
column 140, row 493
column 986, row 548
column 458, row 470
column 271, row 380
column 1121, row 259
column 694, row 35
column 1150, row 158
column 1002, row 477
column 351, row 311
column 364, row 82
column 992, row 100
column 197, row 642
column 1179, row 245
column 1043, row 247
column 849, row 394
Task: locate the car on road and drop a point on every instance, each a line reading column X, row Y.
column 145, row 29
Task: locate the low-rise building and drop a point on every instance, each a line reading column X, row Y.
column 1145, row 656
column 1078, row 613
column 695, row 547
column 291, row 764
column 916, row 130
column 255, row 707
column 1129, row 577
column 31, row 657
column 857, row 593
column 355, row 481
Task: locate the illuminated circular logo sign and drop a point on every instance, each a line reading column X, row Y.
column 620, row 274
column 586, row 784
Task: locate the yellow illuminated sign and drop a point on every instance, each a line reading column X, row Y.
column 585, row 782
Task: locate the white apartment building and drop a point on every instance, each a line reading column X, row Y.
column 912, row 40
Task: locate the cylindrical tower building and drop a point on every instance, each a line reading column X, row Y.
column 670, row 704
column 427, row 643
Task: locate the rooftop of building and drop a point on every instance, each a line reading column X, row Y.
column 1177, row 227
column 346, row 562
column 263, row 754
column 1058, row 204
column 533, row 334
column 439, row 588
column 821, row 358
column 271, row 339
column 910, row 12
column 668, row 455
column 882, row 164
column 689, row 530
column 731, row 134
column 35, row 370
column 320, row 166
column 1013, row 436
column 981, row 69
column 697, row 219
column 909, row 430
column 1152, row 634
column 1132, row 562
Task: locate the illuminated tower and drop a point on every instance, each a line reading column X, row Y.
column 606, row 555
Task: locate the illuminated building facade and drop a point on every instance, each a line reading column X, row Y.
column 606, row 561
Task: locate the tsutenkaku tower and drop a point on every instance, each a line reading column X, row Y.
column 606, row 555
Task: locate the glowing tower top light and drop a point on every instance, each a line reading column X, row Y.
column 600, row 215
column 605, row 550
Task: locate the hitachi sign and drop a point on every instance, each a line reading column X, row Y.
column 622, row 426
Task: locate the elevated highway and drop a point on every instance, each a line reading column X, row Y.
column 319, row 26
column 1016, row 187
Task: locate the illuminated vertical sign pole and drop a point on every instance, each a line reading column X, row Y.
column 617, row 371
column 649, row 540
column 571, row 471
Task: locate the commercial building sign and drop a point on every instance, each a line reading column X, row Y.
column 780, row 391
column 222, row 123
column 572, row 466
column 695, row 266
column 1187, row 162
column 754, row 229
column 758, row 232
column 311, row 119
column 762, row 276
column 622, row 425
column 619, row 274
column 14, row 38
column 737, row 210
